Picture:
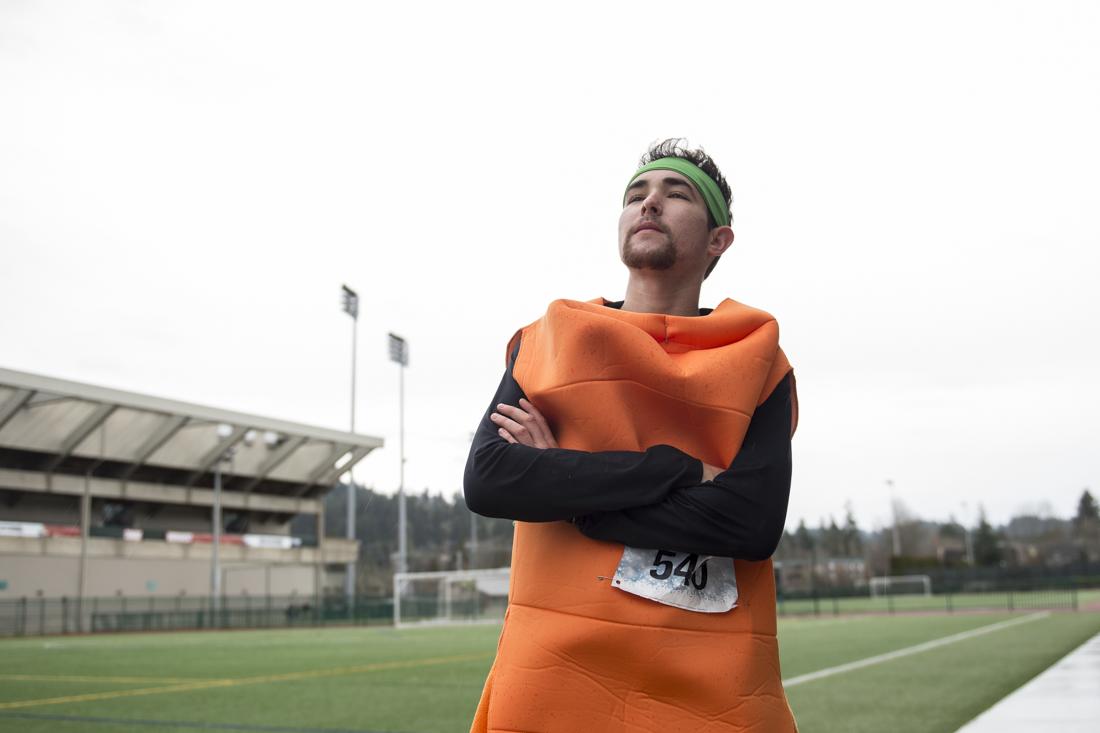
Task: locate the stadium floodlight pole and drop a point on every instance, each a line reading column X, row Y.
column 215, row 567
column 351, row 307
column 399, row 352
column 894, row 508
column 223, row 431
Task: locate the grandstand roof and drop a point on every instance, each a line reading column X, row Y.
column 57, row 426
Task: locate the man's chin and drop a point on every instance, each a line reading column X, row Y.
column 649, row 260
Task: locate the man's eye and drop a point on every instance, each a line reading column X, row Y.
column 633, row 198
column 677, row 194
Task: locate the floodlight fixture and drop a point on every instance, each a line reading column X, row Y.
column 399, row 350
column 350, row 300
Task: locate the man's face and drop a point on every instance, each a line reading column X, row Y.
column 664, row 223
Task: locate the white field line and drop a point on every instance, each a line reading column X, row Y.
column 915, row 649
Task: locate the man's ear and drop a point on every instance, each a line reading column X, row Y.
column 720, row 240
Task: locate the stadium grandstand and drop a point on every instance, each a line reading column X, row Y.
column 106, row 493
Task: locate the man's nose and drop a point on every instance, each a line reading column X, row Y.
column 651, row 204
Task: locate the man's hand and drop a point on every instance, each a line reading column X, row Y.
column 524, row 425
column 709, row 471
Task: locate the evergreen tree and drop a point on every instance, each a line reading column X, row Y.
column 788, row 546
column 853, row 540
column 438, row 533
column 1088, row 513
column 987, row 548
column 1086, row 527
column 952, row 529
column 804, row 538
column 834, row 539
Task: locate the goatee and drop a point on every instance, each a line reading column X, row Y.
column 662, row 257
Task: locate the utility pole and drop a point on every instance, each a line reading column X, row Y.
column 473, row 540
column 473, row 528
column 351, row 307
column 399, row 352
column 894, row 509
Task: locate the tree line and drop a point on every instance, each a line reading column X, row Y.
column 441, row 529
column 912, row 544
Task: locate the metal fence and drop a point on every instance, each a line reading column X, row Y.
column 39, row 616
column 1070, row 599
column 43, row 616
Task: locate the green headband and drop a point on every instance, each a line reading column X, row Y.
column 704, row 184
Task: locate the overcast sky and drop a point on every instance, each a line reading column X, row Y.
column 184, row 187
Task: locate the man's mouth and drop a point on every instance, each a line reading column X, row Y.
column 648, row 226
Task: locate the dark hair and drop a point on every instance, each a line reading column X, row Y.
column 673, row 147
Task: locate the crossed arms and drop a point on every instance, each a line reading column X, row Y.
column 657, row 498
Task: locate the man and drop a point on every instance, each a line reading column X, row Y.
column 644, row 448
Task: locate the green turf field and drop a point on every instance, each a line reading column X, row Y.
column 428, row 680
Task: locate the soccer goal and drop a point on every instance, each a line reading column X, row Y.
column 895, row 585
column 450, row 597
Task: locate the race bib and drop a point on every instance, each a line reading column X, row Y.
column 702, row 583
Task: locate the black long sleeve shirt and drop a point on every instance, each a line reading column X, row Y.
column 652, row 499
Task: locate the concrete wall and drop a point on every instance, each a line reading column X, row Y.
column 26, row 576
column 52, row 565
column 55, row 577
column 271, row 580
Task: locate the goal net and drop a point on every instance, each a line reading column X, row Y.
column 895, row 585
column 450, row 597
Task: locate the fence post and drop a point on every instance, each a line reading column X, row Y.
column 1073, row 597
column 836, row 606
column 890, row 601
column 42, row 615
column 1011, row 605
column 22, row 616
column 817, row 609
column 947, row 602
column 64, row 614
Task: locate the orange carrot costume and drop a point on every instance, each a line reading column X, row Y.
column 575, row 653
